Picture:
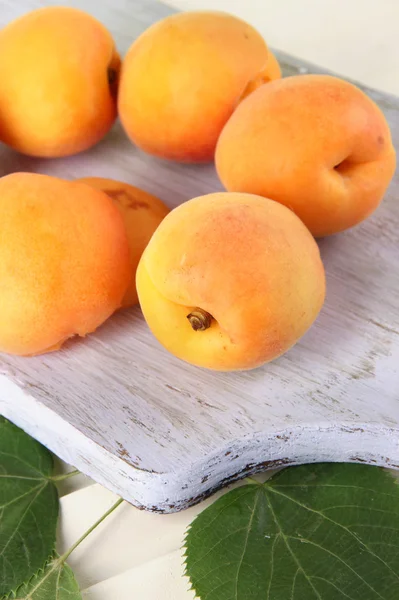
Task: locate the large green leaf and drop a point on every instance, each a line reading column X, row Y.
column 55, row 582
column 325, row 532
column 28, row 507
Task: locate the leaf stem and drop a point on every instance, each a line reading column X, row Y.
column 65, row 556
column 64, row 476
column 58, row 562
column 252, row 480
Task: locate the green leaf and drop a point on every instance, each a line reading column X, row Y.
column 324, row 532
column 28, row 507
column 55, row 582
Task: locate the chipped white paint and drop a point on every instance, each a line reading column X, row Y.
column 163, row 434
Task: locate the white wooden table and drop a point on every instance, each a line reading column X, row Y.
column 136, row 554
column 164, row 434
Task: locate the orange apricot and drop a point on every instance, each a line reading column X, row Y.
column 271, row 72
column 141, row 213
column 64, row 261
column 230, row 281
column 315, row 143
column 182, row 79
column 58, row 70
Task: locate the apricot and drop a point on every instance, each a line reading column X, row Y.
column 141, row 213
column 58, row 71
column 64, row 261
column 182, row 79
column 315, row 143
column 270, row 73
column 230, row 281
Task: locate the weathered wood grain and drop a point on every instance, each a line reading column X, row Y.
column 164, row 434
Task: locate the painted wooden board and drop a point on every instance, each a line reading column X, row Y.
column 163, row 434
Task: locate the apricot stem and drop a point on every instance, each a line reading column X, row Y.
column 199, row 319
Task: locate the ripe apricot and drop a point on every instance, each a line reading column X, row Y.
column 230, row 281
column 315, row 143
column 141, row 213
column 64, row 261
column 270, row 73
column 58, row 71
column 182, row 79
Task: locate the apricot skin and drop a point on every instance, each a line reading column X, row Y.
column 56, row 99
column 64, row 261
column 315, row 143
column 141, row 213
column 247, row 261
column 270, row 73
column 182, row 79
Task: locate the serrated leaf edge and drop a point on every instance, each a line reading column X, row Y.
column 13, row 594
column 190, row 527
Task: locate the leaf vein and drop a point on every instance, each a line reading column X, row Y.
column 293, row 583
column 272, row 566
column 246, row 543
column 341, row 560
column 321, row 485
column 21, row 496
column 220, row 541
column 21, row 461
column 333, row 584
column 42, row 487
column 224, row 507
column 295, row 558
column 358, row 539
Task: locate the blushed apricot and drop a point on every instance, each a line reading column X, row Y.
column 315, row 143
column 64, row 261
column 141, row 213
column 58, row 71
column 182, row 79
column 230, row 281
column 270, row 73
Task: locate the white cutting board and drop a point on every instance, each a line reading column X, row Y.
column 163, row 434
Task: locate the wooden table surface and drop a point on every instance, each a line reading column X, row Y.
column 335, row 396
column 164, row 434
